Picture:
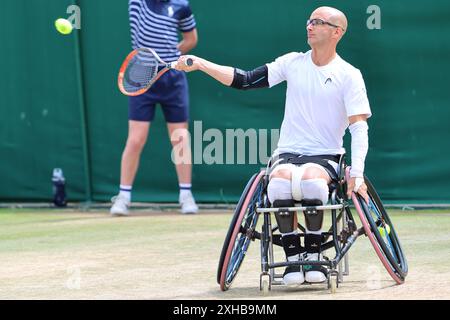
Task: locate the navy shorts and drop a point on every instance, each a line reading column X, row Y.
column 171, row 92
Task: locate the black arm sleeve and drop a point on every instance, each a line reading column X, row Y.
column 257, row 78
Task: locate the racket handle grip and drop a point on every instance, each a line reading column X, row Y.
column 189, row 62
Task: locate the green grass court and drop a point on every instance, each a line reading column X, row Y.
column 67, row 254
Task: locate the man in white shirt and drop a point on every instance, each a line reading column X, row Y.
column 325, row 96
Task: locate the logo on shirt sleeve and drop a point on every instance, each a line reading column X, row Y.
column 170, row 11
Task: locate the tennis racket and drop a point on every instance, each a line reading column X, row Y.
column 141, row 69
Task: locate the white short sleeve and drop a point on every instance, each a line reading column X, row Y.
column 278, row 68
column 355, row 95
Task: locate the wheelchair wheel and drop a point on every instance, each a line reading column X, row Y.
column 381, row 233
column 239, row 234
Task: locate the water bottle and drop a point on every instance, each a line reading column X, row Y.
column 59, row 192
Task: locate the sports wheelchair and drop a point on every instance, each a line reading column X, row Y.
column 375, row 221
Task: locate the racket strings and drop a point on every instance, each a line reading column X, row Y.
column 140, row 72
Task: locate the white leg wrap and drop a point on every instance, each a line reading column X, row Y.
column 297, row 174
column 297, row 191
column 315, row 189
column 279, row 189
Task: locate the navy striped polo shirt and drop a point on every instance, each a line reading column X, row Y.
column 156, row 24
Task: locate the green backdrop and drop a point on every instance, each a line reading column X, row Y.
column 59, row 105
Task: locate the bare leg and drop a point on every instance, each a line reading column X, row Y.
column 137, row 136
column 182, row 157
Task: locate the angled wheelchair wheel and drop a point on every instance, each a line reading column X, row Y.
column 381, row 233
column 240, row 231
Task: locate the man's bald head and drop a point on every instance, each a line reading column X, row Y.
column 332, row 15
column 330, row 31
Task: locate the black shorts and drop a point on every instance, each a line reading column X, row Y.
column 171, row 92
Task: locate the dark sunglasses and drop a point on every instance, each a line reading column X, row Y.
column 320, row 22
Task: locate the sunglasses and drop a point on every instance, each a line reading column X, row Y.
column 320, row 22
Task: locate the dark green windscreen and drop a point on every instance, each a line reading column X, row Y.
column 45, row 113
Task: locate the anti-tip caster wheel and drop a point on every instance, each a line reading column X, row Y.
column 333, row 280
column 264, row 284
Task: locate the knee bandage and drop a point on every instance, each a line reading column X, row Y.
column 315, row 189
column 279, row 189
column 298, row 188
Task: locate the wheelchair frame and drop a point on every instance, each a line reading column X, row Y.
column 376, row 225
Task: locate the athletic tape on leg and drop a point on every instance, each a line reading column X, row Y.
column 279, row 189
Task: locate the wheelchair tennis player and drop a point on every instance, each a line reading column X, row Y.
column 325, row 96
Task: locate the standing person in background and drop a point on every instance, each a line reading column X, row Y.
column 156, row 24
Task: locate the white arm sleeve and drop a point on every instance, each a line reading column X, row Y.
column 360, row 146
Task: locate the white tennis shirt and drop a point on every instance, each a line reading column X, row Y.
column 319, row 101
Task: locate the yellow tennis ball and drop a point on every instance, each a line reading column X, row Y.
column 381, row 230
column 63, row 26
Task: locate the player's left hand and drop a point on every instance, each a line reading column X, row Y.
column 362, row 189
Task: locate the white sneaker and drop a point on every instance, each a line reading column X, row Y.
column 120, row 206
column 188, row 205
column 316, row 274
column 293, row 275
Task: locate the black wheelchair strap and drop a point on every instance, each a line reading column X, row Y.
column 321, row 160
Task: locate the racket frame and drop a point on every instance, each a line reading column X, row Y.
column 123, row 68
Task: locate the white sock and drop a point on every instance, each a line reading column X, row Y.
column 125, row 191
column 185, row 190
column 313, row 232
column 294, row 258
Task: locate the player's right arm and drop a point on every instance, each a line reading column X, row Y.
column 229, row 76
